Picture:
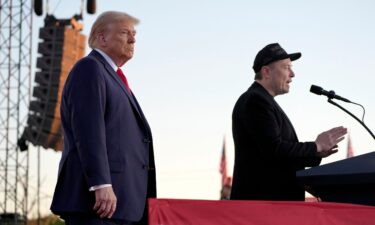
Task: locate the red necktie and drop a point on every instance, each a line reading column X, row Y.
column 123, row 78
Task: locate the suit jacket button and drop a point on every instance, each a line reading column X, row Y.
column 146, row 167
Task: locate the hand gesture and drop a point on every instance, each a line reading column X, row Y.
column 327, row 141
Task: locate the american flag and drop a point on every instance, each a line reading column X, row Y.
column 349, row 150
column 223, row 165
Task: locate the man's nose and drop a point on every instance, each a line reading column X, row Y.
column 131, row 39
column 292, row 73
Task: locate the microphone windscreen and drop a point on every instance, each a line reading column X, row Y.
column 316, row 89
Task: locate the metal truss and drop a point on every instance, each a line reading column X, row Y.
column 15, row 82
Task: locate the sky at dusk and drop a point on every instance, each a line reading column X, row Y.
column 193, row 59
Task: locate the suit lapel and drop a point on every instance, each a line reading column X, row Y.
column 115, row 76
column 279, row 109
column 285, row 118
column 144, row 120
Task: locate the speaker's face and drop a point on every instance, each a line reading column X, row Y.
column 120, row 39
column 279, row 75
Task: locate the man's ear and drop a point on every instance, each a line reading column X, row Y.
column 102, row 39
column 265, row 70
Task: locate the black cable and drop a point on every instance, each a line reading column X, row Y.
column 351, row 114
column 363, row 108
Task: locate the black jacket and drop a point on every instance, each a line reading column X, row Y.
column 267, row 150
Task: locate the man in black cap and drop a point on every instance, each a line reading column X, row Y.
column 267, row 150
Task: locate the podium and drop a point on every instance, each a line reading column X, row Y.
column 350, row 180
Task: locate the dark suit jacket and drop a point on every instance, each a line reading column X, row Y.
column 267, row 150
column 107, row 140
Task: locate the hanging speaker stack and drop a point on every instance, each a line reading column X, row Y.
column 62, row 44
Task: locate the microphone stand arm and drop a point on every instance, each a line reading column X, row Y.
column 362, row 123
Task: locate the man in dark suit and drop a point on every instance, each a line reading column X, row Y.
column 267, row 150
column 107, row 169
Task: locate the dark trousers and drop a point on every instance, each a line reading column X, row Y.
column 85, row 219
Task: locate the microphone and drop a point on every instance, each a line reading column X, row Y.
column 330, row 94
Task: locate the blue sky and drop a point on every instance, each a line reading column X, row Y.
column 193, row 59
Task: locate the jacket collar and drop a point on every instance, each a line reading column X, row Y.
column 115, row 76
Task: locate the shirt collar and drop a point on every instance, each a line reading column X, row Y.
column 107, row 58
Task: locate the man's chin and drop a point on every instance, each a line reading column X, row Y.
column 285, row 91
column 130, row 55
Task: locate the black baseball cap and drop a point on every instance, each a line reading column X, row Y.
column 272, row 53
